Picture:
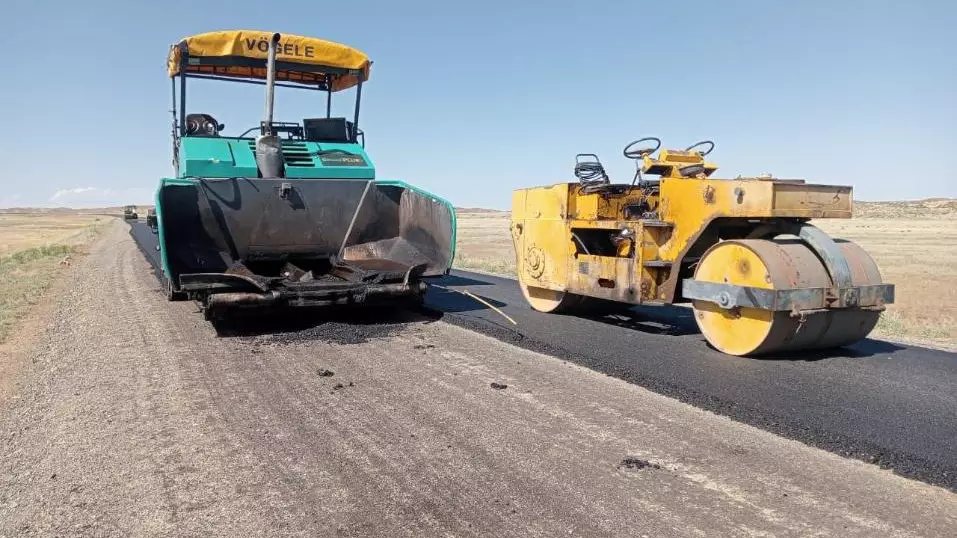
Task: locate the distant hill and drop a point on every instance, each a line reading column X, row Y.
column 931, row 208
column 477, row 210
column 118, row 210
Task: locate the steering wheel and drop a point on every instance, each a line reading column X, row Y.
column 247, row 131
column 641, row 153
column 708, row 143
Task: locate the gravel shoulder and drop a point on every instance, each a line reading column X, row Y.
column 133, row 417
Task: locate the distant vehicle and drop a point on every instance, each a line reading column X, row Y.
column 129, row 212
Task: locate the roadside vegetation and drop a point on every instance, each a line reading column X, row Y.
column 483, row 242
column 34, row 246
column 493, row 265
column 917, row 252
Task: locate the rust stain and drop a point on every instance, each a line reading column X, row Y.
column 744, row 267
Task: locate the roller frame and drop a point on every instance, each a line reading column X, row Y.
column 842, row 295
column 729, row 296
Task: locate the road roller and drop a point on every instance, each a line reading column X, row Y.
column 759, row 276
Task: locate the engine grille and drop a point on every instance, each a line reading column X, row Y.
column 293, row 152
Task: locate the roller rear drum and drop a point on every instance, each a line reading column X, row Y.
column 549, row 301
column 780, row 264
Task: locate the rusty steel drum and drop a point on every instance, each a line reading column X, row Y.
column 779, row 264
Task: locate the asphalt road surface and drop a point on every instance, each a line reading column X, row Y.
column 131, row 416
column 890, row 405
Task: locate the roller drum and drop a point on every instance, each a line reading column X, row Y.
column 782, row 263
column 550, row 301
column 565, row 302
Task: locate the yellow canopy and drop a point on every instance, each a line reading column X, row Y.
column 242, row 54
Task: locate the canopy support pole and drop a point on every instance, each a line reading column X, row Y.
column 174, row 128
column 173, row 92
column 355, row 124
column 183, row 62
column 328, row 96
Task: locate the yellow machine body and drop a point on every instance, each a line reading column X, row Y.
column 714, row 242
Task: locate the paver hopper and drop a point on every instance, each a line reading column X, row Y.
column 295, row 215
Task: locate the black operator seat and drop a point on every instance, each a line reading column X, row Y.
column 202, row 125
column 327, row 129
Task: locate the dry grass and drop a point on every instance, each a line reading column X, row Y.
column 484, row 242
column 920, row 258
column 914, row 244
column 31, row 249
column 930, row 209
column 19, row 231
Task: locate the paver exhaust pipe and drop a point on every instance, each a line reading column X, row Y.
column 269, row 157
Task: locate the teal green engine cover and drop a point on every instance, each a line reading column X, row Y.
column 327, row 225
column 235, row 157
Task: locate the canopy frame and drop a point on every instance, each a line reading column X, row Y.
column 322, row 83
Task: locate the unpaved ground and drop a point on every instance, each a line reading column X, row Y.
column 34, row 249
column 134, row 418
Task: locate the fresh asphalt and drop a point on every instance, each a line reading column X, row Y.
column 887, row 404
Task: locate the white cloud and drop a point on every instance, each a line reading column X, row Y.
column 66, row 193
column 99, row 197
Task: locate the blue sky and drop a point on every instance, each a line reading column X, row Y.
column 473, row 99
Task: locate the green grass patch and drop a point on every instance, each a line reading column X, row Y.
column 35, row 253
column 24, row 276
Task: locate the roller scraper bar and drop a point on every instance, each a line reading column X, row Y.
column 842, row 293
